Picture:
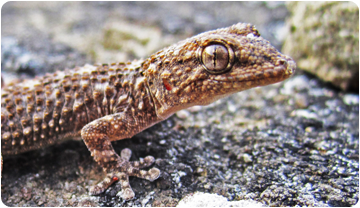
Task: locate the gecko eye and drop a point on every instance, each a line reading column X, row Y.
column 217, row 58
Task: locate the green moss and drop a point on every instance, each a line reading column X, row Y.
column 293, row 28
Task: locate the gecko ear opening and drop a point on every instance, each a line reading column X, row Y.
column 216, row 57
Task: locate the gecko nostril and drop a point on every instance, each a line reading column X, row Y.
column 283, row 62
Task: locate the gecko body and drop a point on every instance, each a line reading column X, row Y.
column 109, row 102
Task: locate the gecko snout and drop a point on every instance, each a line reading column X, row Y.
column 289, row 65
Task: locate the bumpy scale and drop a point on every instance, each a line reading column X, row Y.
column 110, row 102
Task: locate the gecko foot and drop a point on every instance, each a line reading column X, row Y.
column 126, row 169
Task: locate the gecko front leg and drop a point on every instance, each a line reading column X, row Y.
column 97, row 136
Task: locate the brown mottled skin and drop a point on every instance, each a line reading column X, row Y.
column 115, row 101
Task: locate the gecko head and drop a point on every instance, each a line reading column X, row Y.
column 238, row 58
column 214, row 64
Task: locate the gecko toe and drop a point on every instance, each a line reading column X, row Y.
column 126, row 154
column 143, row 162
column 96, row 190
column 126, row 194
column 109, row 179
column 153, row 174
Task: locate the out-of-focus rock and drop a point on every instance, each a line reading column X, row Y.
column 324, row 40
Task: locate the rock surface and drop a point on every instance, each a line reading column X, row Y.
column 324, row 39
column 200, row 199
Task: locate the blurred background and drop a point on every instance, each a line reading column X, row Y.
column 39, row 37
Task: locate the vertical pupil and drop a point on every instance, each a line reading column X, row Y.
column 215, row 58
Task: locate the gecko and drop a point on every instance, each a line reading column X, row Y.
column 108, row 102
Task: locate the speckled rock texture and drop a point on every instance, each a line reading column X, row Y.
column 291, row 144
column 200, row 199
column 324, row 39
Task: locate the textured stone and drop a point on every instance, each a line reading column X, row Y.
column 324, row 40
